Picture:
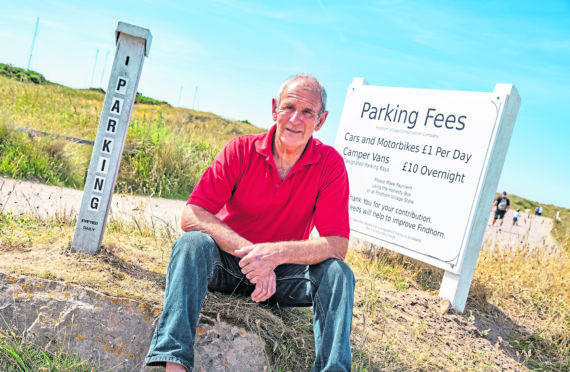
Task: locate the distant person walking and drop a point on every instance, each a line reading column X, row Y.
column 516, row 217
column 502, row 204
column 538, row 211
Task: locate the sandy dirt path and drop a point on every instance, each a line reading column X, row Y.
column 23, row 197
column 531, row 232
column 36, row 199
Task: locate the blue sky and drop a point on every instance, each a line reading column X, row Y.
column 237, row 53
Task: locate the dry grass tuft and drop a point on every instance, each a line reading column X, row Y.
column 288, row 332
column 533, row 289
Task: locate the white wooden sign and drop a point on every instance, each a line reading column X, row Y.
column 133, row 44
column 423, row 168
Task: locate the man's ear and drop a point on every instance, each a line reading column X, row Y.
column 322, row 120
column 274, row 109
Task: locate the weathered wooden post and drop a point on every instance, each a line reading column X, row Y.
column 133, row 44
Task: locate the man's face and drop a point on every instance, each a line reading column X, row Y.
column 297, row 115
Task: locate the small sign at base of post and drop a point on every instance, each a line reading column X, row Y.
column 423, row 169
column 133, row 45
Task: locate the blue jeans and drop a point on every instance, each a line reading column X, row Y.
column 198, row 264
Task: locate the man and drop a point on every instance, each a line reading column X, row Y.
column 248, row 222
column 502, row 203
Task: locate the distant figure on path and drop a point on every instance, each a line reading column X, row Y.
column 247, row 224
column 502, row 204
column 538, row 211
column 516, row 217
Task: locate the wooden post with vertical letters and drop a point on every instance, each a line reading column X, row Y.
column 133, row 45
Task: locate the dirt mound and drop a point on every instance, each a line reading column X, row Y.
column 415, row 316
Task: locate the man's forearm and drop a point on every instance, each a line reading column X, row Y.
column 313, row 251
column 195, row 218
column 259, row 259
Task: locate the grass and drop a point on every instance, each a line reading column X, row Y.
column 148, row 100
column 173, row 145
column 524, row 295
column 35, row 158
column 525, row 291
column 17, row 356
column 532, row 287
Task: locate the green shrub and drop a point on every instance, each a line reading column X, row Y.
column 17, row 73
column 148, row 101
column 98, row 90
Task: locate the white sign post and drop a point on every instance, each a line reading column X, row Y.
column 133, row 44
column 423, row 167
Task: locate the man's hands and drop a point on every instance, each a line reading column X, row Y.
column 264, row 287
column 258, row 263
column 195, row 218
column 258, row 260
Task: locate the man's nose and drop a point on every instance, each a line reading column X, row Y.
column 296, row 118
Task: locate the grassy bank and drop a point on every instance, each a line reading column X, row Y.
column 517, row 314
column 173, row 146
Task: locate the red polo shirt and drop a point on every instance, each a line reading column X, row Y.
column 243, row 189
